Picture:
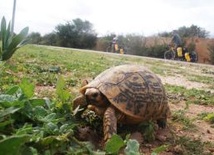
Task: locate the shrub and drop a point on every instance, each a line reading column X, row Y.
column 211, row 49
column 156, row 51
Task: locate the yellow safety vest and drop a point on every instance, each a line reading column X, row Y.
column 187, row 57
column 179, row 52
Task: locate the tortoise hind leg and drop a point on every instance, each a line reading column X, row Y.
column 162, row 123
column 109, row 123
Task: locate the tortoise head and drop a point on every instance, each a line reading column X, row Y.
column 95, row 97
column 80, row 101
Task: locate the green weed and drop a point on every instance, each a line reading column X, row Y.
column 188, row 146
column 209, row 117
column 202, row 79
column 179, row 116
column 192, row 96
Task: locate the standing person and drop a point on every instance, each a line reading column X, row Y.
column 114, row 40
column 115, row 44
column 176, row 40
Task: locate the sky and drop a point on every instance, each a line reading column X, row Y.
column 144, row 17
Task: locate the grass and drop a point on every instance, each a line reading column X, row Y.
column 188, row 146
column 202, row 79
column 192, row 96
column 43, row 65
column 179, row 116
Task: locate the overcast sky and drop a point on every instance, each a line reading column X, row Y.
column 145, row 17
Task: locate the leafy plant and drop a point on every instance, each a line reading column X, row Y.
column 148, row 130
column 116, row 143
column 12, row 144
column 62, row 94
column 132, row 147
column 10, row 41
column 37, row 125
column 159, row 149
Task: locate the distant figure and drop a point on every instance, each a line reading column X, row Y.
column 176, row 39
column 194, row 56
column 115, row 44
column 177, row 42
column 114, row 40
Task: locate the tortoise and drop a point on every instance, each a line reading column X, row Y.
column 129, row 94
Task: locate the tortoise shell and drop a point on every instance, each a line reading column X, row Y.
column 133, row 90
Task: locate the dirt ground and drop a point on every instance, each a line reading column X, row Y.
column 203, row 130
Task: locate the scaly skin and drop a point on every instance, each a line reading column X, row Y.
column 109, row 123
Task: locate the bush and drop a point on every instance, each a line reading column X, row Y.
column 156, row 51
column 191, row 46
column 211, row 49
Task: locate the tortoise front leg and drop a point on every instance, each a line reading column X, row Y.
column 109, row 123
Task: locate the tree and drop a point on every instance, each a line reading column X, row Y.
column 192, row 31
column 50, row 39
column 77, row 34
column 35, row 38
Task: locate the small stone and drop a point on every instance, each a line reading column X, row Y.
column 208, row 131
column 211, row 149
column 207, row 152
column 137, row 136
column 178, row 149
column 161, row 138
column 196, row 137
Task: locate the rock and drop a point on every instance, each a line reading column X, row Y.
column 161, row 138
column 208, row 131
column 137, row 136
column 211, row 149
column 178, row 149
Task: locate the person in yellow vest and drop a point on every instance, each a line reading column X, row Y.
column 176, row 40
column 115, row 44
